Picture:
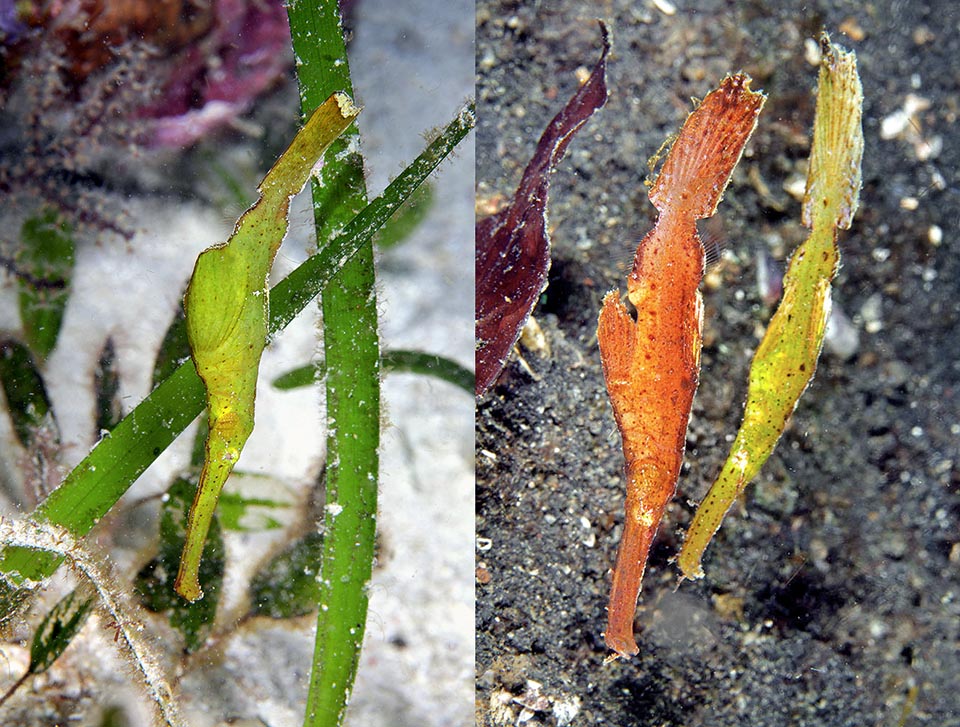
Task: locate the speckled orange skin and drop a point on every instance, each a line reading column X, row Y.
column 651, row 368
column 652, row 365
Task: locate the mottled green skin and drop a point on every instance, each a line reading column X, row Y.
column 226, row 306
column 787, row 357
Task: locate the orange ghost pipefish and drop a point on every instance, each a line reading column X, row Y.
column 652, row 365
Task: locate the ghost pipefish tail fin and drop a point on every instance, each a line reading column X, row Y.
column 226, row 306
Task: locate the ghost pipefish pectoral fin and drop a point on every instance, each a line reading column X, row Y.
column 652, row 365
column 226, row 305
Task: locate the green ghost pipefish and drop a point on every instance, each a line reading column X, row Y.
column 787, row 357
column 226, row 305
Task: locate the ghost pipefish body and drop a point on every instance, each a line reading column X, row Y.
column 226, row 306
column 652, row 365
column 787, row 356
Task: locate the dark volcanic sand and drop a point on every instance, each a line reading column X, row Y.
column 835, row 597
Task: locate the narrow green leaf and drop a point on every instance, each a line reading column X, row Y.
column 199, row 449
column 247, row 514
column 58, row 628
column 155, row 581
column 12, row 601
column 228, row 188
column 44, row 268
column 106, row 385
column 430, row 364
column 397, row 360
column 306, row 375
column 407, row 219
column 174, row 349
column 27, row 399
column 293, row 293
column 287, row 586
column 351, row 348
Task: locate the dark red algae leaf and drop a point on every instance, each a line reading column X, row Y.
column 512, row 246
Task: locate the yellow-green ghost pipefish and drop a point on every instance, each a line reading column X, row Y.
column 226, row 305
column 787, row 357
